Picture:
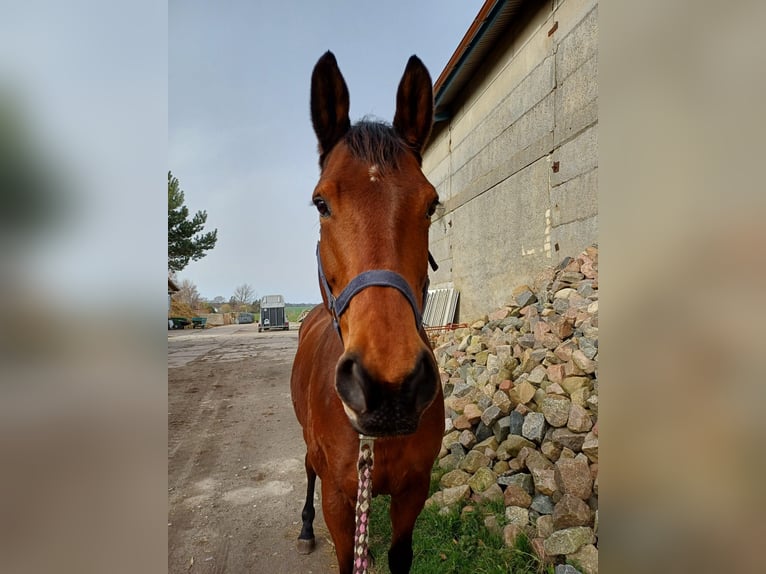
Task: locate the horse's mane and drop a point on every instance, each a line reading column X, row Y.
column 375, row 142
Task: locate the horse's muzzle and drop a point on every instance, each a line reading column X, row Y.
column 380, row 408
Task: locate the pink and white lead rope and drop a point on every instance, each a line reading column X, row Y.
column 363, row 502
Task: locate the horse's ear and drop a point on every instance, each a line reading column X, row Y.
column 329, row 104
column 414, row 105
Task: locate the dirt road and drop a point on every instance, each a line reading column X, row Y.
column 236, row 483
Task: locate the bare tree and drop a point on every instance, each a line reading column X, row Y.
column 188, row 294
column 244, row 295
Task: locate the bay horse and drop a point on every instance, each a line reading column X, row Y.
column 363, row 365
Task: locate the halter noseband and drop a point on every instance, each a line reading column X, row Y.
column 373, row 278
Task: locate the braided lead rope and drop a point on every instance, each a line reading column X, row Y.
column 363, row 502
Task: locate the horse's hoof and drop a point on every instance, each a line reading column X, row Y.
column 305, row 546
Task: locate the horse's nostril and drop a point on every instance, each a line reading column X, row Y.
column 420, row 387
column 350, row 383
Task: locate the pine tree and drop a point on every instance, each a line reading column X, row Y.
column 186, row 242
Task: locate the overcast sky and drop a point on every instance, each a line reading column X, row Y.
column 239, row 129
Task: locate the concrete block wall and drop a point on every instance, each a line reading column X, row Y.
column 516, row 166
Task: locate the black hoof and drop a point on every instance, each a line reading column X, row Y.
column 305, row 546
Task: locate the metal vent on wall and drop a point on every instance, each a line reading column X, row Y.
column 440, row 307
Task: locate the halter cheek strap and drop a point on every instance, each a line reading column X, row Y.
column 373, row 278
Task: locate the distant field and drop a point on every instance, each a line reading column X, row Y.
column 294, row 311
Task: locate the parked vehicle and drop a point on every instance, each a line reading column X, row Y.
column 244, row 318
column 273, row 314
column 178, row 322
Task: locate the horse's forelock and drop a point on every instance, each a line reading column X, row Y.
column 375, row 142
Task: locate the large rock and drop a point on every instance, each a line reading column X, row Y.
column 538, row 375
column 590, row 446
column 545, row 526
column 535, row 460
column 551, row 450
column 571, row 511
column 461, row 388
column 458, row 404
column 568, row 439
column 570, row 384
column 579, row 419
column 510, row 534
column 462, row 423
column 584, row 363
column 483, row 432
column 450, row 438
column 542, row 471
column 573, row 477
column 515, row 495
column 450, row 462
column 545, row 481
column 492, row 493
column 542, row 504
column 521, row 479
column 511, row 446
column 579, row 397
column 476, row 346
column 524, row 296
column 502, row 401
column 587, row 558
column 502, row 428
column 473, row 414
column 555, row 373
column 473, row 461
column 517, row 515
column 450, row 496
column 516, row 422
column 482, row 479
column 555, row 408
column 522, row 393
column 467, row 439
column 492, row 413
column 491, row 443
column 534, row 427
column 569, row 540
column 588, row 347
column 454, row 478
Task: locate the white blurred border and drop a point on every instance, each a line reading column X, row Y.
column 681, row 91
column 83, row 399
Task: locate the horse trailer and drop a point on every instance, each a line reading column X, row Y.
column 273, row 314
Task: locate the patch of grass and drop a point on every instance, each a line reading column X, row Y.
column 436, row 476
column 293, row 312
column 453, row 543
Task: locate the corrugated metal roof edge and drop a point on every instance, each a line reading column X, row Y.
column 477, row 41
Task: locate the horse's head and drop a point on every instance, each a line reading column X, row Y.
column 375, row 206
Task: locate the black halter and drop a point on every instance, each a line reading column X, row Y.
column 373, row 278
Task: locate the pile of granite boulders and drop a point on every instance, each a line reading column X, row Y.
column 521, row 414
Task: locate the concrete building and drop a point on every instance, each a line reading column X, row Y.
column 513, row 154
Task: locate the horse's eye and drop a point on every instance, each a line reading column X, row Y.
column 432, row 208
column 322, row 207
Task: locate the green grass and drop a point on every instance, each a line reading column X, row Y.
column 454, row 544
column 294, row 312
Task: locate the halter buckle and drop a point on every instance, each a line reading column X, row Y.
column 366, row 441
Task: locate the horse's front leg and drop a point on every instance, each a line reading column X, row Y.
column 306, row 540
column 405, row 508
column 338, row 513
